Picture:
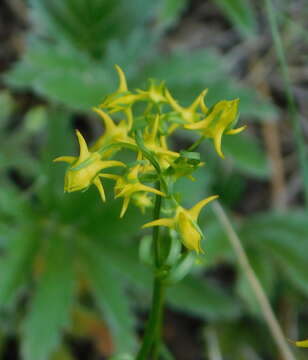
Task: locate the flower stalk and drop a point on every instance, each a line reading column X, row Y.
column 152, row 335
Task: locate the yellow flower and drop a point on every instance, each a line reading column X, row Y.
column 155, row 93
column 113, row 133
column 80, row 176
column 302, row 343
column 188, row 114
column 142, row 201
column 122, row 99
column 185, row 223
column 127, row 186
column 158, row 145
column 219, row 120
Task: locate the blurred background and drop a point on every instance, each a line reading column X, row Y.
column 71, row 283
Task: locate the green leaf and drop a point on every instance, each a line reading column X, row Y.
column 110, row 295
column 202, row 298
column 49, row 312
column 170, row 11
column 247, row 154
column 68, row 77
column 59, row 141
column 241, row 14
column 16, row 264
column 89, row 25
column 283, row 238
column 180, row 269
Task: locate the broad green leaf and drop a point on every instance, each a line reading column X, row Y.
column 202, row 298
column 247, row 154
column 16, row 263
column 13, row 204
column 170, row 11
column 110, row 295
column 241, row 13
column 49, row 312
column 67, row 77
column 89, row 25
column 283, row 238
column 58, row 142
column 125, row 258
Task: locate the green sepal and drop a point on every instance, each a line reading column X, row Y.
column 146, row 250
column 173, row 117
column 174, row 251
column 192, row 157
column 232, row 125
column 185, row 165
column 181, row 269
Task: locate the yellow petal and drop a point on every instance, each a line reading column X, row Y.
column 110, row 163
column 100, row 188
column 300, row 343
column 236, row 131
column 190, row 235
column 124, row 206
column 217, row 142
column 132, row 188
column 204, row 108
column 142, row 187
column 195, row 104
column 172, row 128
column 109, row 176
column 109, row 124
column 122, row 80
column 155, row 128
column 203, row 124
column 68, row 159
column 195, row 211
column 83, row 151
column 160, row 222
column 173, row 102
column 129, row 115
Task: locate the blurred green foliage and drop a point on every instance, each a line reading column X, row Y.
column 62, row 253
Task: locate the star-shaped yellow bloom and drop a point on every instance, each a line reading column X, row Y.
column 114, row 133
column 158, row 145
column 122, row 99
column 143, row 201
column 155, row 93
column 127, row 186
column 188, row 114
column 85, row 169
column 185, row 223
column 218, row 122
column 301, row 343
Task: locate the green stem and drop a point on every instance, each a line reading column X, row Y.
column 196, row 144
column 151, row 339
column 292, row 108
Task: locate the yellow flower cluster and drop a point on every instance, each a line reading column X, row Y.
column 147, row 134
